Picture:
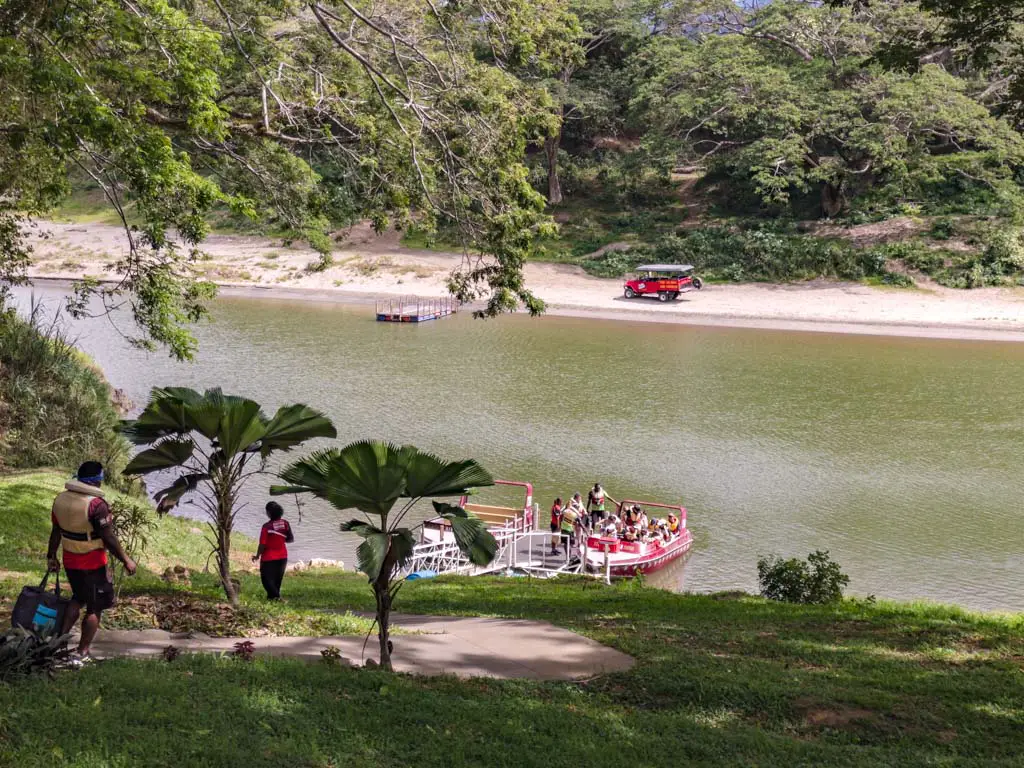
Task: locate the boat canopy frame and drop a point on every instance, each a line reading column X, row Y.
column 665, row 268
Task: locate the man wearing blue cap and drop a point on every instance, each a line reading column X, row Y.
column 82, row 527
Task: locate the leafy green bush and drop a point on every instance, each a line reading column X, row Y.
column 324, row 262
column 942, row 228
column 55, row 406
column 898, row 280
column 24, row 653
column 815, row 580
column 133, row 524
column 756, row 254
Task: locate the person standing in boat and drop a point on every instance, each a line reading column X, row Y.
column 273, row 550
column 556, row 524
column 572, row 517
column 595, row 504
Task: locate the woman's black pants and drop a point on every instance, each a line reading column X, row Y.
column 272, row 574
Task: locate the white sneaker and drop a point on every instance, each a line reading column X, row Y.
column 78, row 660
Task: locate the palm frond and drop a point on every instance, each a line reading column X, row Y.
column 292, row 424
column 165, row 454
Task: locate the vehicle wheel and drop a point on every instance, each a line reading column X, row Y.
column 698, row 283
column 630, row 293
column 675, row 295
column 663, row 296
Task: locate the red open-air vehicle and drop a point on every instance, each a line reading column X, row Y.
column 666, row 281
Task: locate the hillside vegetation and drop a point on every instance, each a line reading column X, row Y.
column 56, row 407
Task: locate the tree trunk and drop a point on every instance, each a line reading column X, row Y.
column 224, row 563
column 833, row 199
column 383, row 595
column 551, row 145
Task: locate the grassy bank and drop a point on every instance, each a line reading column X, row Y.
column 146, row 600
column 56, row 407
column 720, row 680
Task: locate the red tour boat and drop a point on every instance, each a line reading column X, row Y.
column 628, row 558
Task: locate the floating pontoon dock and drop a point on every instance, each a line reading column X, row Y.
column 415, row 309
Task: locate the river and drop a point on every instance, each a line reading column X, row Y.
column 902, row 457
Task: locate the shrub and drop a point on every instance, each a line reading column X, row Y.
column 324, row 262
column 756, row 254
column 898, row 280
column 942, row 229
column 133, row 523
column 1004, row 251
column 815, row 580
column 24, row 653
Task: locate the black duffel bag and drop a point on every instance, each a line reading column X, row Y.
column 40, row 610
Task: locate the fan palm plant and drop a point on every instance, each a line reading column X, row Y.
column 374, row 476
column 219, row 441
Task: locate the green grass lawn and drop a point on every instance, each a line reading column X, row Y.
column 720, row 680
column 147, row 601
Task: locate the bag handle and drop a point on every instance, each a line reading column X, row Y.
column 46, row 578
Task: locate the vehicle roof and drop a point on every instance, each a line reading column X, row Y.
column 665, row 267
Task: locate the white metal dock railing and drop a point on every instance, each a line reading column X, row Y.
column 523, row 551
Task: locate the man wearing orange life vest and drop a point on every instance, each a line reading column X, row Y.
column 83, row 528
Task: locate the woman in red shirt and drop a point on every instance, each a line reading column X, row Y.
column 273, row 551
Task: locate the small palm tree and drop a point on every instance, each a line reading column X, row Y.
column 372, row 476
column 219, row 441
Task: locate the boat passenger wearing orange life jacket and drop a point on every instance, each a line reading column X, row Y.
column 673, row 523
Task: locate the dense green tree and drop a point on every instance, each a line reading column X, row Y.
column 372, row 477
column 219, row 442
column 313, row 113
column 787, row 98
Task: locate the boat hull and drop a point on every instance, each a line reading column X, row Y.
column 646, row 559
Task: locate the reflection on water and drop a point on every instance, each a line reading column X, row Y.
column 901, row 456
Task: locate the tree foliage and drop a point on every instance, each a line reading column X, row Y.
column 315, row 114
column 789, row 101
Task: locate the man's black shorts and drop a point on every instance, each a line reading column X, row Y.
column 93, row 589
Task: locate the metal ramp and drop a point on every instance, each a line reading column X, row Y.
column 525, row 552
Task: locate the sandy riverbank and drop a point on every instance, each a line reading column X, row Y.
column 367, row 266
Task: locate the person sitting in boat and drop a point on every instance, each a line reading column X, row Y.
column 664, row 532
column 608, row 530
column 632, row 514
column 630, row 533
column 642, row 520
column 673, row 523
column 556, row 524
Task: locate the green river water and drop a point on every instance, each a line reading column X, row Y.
column 903, row 457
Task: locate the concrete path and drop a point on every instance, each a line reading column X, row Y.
column 467, row 647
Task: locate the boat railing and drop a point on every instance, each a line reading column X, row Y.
column 518, row 550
